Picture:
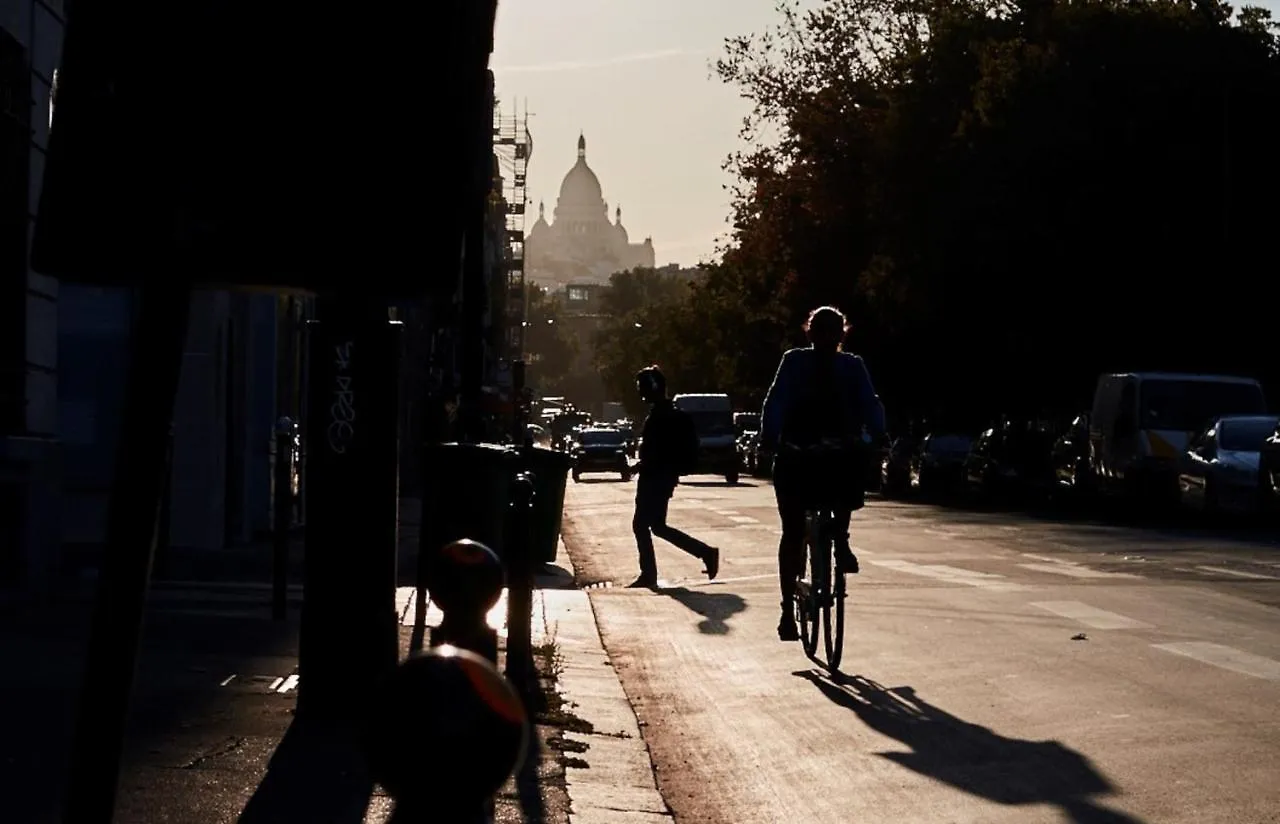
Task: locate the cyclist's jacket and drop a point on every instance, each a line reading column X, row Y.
column 817, row 394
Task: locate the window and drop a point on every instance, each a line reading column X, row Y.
column 1245, row 434
column 577, row 293
column 1187, row 405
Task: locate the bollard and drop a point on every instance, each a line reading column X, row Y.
column 520, row 584
column 466, row 583
column 446, row 733
column 282, row 506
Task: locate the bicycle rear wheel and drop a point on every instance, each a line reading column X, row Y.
column 808, row 591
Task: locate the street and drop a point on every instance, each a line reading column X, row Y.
column 998, row 668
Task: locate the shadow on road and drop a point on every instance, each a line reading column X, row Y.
column 745, row 484
column 716, row 608
column 973, row 758
column 318, row 773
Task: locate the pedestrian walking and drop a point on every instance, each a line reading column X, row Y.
column 668, row 449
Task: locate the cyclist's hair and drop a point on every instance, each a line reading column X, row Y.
column 826, row 314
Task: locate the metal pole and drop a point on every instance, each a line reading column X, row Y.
column 154, row 369
column 520, row 585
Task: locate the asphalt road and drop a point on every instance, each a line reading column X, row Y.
column 965, row 697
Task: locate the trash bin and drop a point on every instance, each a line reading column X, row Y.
column 468, row 490
column 550, row 469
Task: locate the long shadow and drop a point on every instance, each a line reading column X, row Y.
column 973, row 758
column 529, row 779
column 318, row 773
column 716, row 608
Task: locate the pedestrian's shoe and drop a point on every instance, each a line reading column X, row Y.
column 644, row 582
column 787, row 625
column 713, row 563
column 846, row 561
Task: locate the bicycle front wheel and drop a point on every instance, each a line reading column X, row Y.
column 833, row 622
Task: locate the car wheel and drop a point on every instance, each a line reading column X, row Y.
column 732, row 478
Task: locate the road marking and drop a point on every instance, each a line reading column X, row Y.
column 952, row 575
column 726, row 512
column 1089, row 616
column 1074, row 571
column 945, row 535
column 1048, row 559
column 744, row 519
column 1251, row 575
column 1228, row 658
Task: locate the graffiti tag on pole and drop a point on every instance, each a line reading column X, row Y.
column 342, row 412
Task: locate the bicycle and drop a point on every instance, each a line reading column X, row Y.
column 823, row 589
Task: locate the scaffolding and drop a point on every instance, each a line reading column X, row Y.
column 512, row 145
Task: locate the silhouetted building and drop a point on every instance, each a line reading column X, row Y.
column 581, row 244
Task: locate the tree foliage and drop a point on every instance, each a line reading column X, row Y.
column 1008, row 198
column 550, row 350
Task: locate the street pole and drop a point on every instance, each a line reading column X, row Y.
column 132, row 527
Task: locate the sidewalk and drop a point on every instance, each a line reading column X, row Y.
column 212, row 737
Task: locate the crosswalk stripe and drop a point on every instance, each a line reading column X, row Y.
column 1224, row 657
column 952, row 575
column 1238, row 573
column 1089, row 616
column 1072, row 571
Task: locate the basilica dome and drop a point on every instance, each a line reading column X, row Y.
column 581, row 197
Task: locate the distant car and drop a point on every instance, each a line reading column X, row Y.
column 1220, row 470
column 895, row 467
column 600, row 450
column 937, row 466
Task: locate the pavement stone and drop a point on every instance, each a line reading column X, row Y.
column 610, row 778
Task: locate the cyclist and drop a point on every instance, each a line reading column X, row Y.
column 820, row 393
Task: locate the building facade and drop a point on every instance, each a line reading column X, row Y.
column 30, row 49
column 581, row 244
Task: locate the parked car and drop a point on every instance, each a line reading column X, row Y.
column 1072, row 471
column 1012, row 459
column 598, row 449
column 895, row 467
column 937, row 465
column 1220, row 469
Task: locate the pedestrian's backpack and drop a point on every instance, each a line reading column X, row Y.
column 687, row 438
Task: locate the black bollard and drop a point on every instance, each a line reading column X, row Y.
column 466, row 582
column 519, row 563
column 446, row 733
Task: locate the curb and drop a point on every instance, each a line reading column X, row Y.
column 611, row 778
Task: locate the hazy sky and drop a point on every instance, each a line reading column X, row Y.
column 635, row 77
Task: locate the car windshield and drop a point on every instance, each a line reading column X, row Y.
column 601, row 438
column 1186, row 405
column 1245, row 434
column 712, row 423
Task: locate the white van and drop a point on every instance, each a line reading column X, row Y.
column 717, row 439
column 1142, row 422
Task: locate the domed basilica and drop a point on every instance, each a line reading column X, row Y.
column 581, row 244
